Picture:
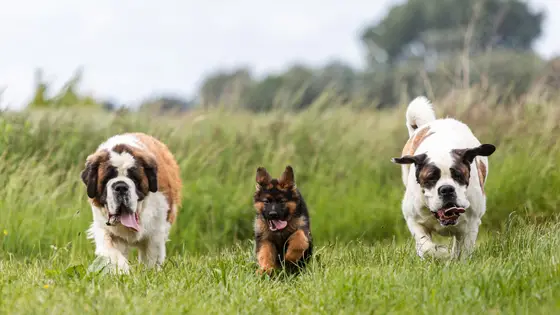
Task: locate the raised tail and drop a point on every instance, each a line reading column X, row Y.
column 419, row 113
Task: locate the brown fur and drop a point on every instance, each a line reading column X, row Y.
column 156, row 156
column 97, row 162
column 294, row 224
column 414, row 142
column 428, row 176
column 293, row 243
column 463, row 171
column 169, row 175
column 266, row 257
column 298, row 243
column 481, row 174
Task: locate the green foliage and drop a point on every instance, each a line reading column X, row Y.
column 503, row 71
column 166, row 104
column 365, row 260
column 225, row 88
column 440, row 26
column 341, row 160
column 68, row 96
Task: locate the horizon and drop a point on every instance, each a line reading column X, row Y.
column 126, row 60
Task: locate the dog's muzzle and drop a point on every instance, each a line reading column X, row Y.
column 124, row 212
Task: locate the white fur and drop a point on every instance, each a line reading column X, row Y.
column 122, row 161
column 130, row 140
column 114, row 242
column 419, row 113
column 446, row 135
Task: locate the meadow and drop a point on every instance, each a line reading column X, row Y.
column 341, row 158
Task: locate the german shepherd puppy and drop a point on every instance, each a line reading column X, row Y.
column 282, row 227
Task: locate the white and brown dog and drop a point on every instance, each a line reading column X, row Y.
column 444, row 169
column 134, row 188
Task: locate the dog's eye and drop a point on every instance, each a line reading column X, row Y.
column 432, row 178
column 457, row 176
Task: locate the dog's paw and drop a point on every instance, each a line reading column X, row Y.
column 434, row 251
column 265, row 271
column 118, row 264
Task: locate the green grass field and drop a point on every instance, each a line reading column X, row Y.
column 366, row 262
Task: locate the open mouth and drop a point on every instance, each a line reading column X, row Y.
column 276, row 225
column 125, row 217
column 449, row 214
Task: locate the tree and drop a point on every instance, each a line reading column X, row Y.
column 420, row 27
column 225, row 88
column 67, row 96
column 167, row 104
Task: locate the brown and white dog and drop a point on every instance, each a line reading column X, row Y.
column 444, row 169
column 134, row 188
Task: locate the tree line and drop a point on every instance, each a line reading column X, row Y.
column 428, row 47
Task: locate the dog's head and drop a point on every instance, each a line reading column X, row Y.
column 276, row 199
column 118, row 180
column 444, row 178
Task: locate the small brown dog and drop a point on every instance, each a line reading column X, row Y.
column 282, row 227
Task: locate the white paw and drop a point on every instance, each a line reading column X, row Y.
column 433, row 250
column 118, row 264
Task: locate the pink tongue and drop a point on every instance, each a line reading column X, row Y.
column 279, row 224
column 130, row 220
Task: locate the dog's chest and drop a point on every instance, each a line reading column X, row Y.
column 280, row 238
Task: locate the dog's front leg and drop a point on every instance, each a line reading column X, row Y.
column 266, row 256
column 464, row 241
column 425, row 247
column 152, row 252
column 115, row 251
column 297, row 245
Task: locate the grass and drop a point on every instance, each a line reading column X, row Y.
column 515, row 272
column 341, row 161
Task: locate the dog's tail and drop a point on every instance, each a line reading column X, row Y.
column 419, row 113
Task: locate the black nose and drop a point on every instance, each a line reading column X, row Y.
column 273, row 215
column 446, row 190
column 120, row 187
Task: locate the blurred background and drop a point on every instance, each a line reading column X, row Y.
column 246, row 53
column 229, row 86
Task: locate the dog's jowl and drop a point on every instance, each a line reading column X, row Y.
column 282, row 226
column 444, row 169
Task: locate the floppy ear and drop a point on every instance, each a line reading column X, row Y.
column 418, row 159
column 287, row 179
column 262, row 178
column 468, row 155
column 151, row 171
column 89, row 176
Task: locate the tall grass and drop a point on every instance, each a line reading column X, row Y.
column 341, row 159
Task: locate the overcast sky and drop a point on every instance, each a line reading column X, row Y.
column 130, row 50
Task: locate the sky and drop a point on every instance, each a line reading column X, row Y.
column 133, row 49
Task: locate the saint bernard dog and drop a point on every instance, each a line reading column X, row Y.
column 444, row 169
column 134, row 188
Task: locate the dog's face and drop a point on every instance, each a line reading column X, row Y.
column 444, row 178
column 118, row 180
column 276, row 200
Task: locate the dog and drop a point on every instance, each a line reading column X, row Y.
column 134, row 188
column 282, row 225
column 444, row 170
